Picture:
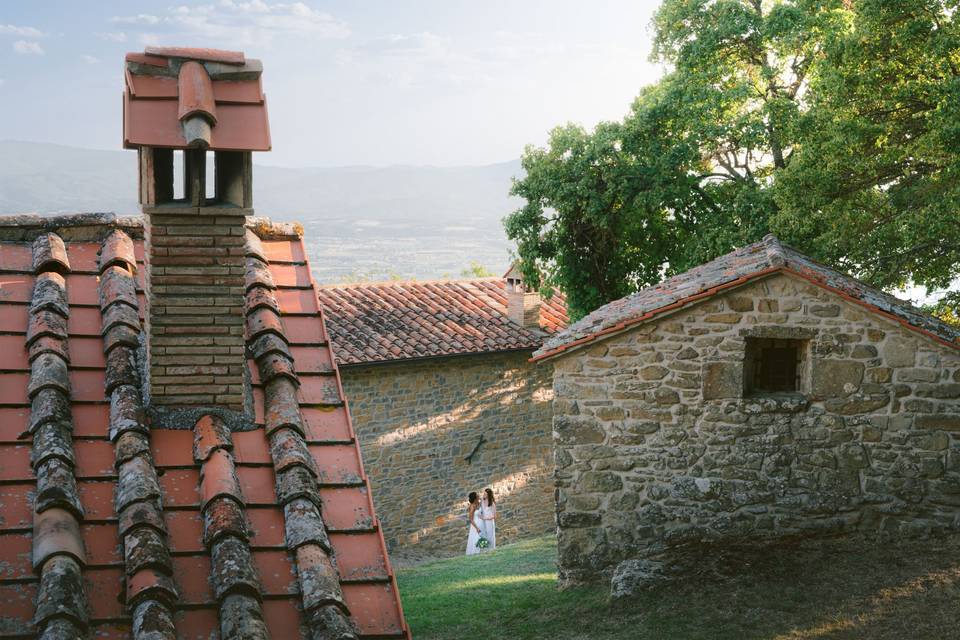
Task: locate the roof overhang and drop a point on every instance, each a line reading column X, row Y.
column 630, row 323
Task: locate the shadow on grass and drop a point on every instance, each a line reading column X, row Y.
column 825, row 590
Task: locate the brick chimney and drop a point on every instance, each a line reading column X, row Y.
column 523, row 306
column 183, row 108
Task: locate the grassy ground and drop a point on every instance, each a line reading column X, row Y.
column 828, row 590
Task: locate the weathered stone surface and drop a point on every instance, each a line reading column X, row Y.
column 899, row 352
column 120, row 314
column 832, row 378
column 152, row 620
column 722, row 380
column 331, row 623
column 50, row 254
column 577, row 429
column 258, row 275
column 260, row 298
column 269, row 343
column 122, row 369
column 296, row 482
column 864, row 445
column 48, row 371
column 57, row 487
column 223, row 516
column 287, row 449
column 282, row 407
column 417, row 422
column 303, row 525
column 50, row 294
column 144, row 548
column 146, row 514
column 273, row 365
column 49, row 405
column 319, row 580
column 46, row 323
column 120, row 334
column 61, row 592
column 944, row 421
column 633, row 577
column 241, row 618
column 232, row 568
column 137, row 481
column 51, row 440
column 600, row 482
column 126, row 411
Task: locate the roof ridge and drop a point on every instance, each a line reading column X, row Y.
column 409, row 282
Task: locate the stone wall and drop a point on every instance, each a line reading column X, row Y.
column 656, row 445
column 416, row 423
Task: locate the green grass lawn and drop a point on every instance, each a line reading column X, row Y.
column 826, row 590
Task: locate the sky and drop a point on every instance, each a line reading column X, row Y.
column 375, row 82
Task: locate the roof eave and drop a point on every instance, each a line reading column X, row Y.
column 625, row 325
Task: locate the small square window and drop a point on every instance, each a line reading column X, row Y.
column 773, row 365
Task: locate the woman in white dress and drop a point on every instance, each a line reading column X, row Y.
column 488, row 513
column 476, row 524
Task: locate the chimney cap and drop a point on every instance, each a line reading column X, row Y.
column 166, row 86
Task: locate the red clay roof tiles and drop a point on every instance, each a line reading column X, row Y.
column 166, row 91
column 757, row 260
column 170, row 556
column 405, row 320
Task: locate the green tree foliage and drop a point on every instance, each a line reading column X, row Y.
column 825, row 121
column 476, row 270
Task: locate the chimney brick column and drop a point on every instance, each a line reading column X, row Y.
column 195, row 269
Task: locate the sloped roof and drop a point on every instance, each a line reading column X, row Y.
column 392, row 321
column 167, row 86
column 117, row 529
column 735, row 268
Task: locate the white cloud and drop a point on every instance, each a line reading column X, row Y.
column 28, row 47
column 113, row 36
column 25, row 32
column 142, row 18
column 89, row 59
column 235, row 23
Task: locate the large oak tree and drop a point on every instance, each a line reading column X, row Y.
column 831, row 123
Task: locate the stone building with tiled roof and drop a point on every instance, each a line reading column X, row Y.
column 759, row 395
column 177, row 458
column 445, row 402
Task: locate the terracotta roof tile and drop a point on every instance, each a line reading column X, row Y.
column 154, row 525
column 181, row 97
column 753, row 261
column 50, row 254
column 403, row 320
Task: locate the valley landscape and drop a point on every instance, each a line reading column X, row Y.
column 361, row 223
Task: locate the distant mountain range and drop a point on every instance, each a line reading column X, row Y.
column 361, row 222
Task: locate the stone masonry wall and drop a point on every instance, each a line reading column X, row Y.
column 417, row 421
column 657, row 447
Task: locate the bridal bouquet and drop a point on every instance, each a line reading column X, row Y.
column 483, row 543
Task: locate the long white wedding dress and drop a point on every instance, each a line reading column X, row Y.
column 489, row 526
column 474, row 535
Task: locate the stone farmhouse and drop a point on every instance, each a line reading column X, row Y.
column 759, row 395
column 176, row 456
column 444, row 402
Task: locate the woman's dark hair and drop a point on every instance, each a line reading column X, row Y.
column 489, row 493
column 472, row 497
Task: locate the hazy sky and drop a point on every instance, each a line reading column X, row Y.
column 378, row 82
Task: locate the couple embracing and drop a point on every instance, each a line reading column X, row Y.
column 482, row 515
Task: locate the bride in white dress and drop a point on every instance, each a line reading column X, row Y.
column 476, row 524
column 488, row 513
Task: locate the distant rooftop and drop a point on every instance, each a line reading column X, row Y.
column 392, row 321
